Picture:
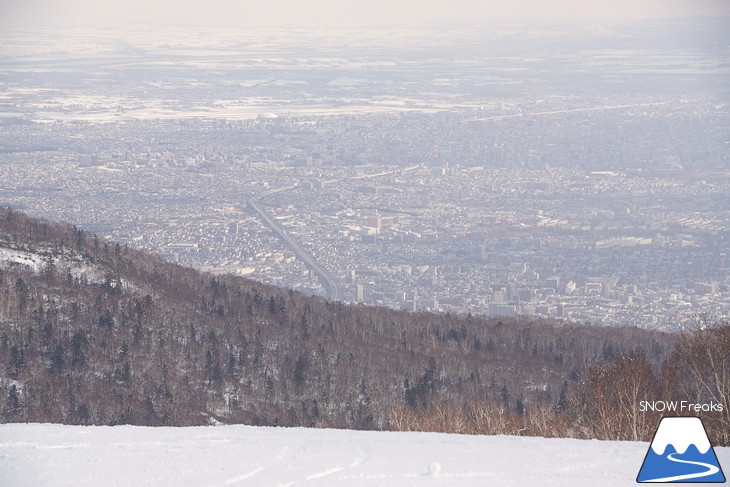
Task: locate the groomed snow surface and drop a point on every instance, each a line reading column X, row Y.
column 54, row 455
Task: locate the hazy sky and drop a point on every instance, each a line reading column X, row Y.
column 337, row 12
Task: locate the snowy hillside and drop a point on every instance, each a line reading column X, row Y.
column 45, row 455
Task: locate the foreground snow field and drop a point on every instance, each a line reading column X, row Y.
column 55, row 455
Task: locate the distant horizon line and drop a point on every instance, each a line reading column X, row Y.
column 372, row 25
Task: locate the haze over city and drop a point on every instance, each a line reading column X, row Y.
column 550, row 168
column 341, row 13
column 505, row 219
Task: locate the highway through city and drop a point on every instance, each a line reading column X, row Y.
column 334, row 290
column 331, row 284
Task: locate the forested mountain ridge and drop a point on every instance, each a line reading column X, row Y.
column 93, row 332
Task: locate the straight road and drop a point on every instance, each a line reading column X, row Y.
column 333, row 287
column 334, row 290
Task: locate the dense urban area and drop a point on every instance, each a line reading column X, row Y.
column 593, row 205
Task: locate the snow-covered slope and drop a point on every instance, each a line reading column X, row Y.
column 54, row 455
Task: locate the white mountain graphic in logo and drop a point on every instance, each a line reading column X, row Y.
column 681, row 452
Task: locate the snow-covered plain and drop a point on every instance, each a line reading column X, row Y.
column 55, row 455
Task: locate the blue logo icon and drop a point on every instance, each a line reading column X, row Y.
column 681, row 452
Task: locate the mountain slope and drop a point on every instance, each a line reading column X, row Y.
column 92, row 332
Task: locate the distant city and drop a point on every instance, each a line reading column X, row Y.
column 585, row 182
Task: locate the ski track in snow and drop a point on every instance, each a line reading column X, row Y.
column 55, row 455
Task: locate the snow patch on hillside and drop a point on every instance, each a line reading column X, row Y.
column 64, row 262
column 40, row 259
column 32, row 260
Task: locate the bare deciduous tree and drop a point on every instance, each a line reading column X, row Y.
column 704, row 356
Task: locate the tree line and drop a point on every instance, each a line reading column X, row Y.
column 94, row 332
column 604, row 399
